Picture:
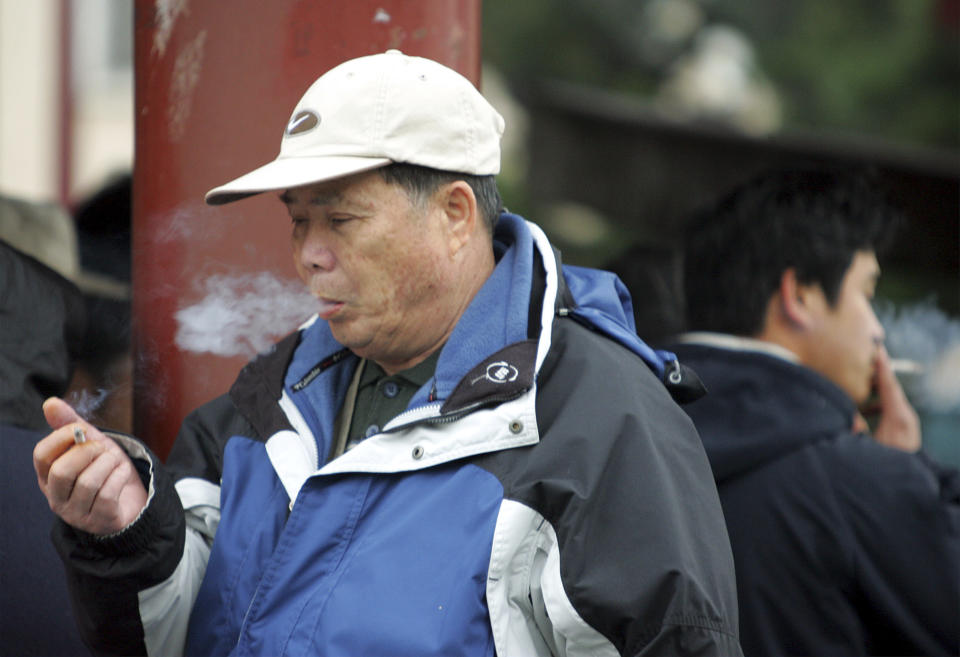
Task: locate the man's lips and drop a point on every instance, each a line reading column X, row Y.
column 328, row 307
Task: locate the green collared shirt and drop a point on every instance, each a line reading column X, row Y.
column 381, row 397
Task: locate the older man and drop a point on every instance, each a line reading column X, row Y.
column 465, row 451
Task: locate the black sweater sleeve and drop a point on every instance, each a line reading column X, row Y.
column 105, row 574
column 904, row 513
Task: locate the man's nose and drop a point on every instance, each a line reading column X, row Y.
column 315, row 252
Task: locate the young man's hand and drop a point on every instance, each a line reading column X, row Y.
column 93, row 485
column 897, row 424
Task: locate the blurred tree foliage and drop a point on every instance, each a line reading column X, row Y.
column 886, row 68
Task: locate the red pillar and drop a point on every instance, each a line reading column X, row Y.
column 65, row 147
column 215, row 84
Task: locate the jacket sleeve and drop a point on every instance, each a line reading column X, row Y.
column 106, row 574
column 903, row 511
column 132, row 592
column 642, row 552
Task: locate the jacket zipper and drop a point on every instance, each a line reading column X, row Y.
column 451, row 417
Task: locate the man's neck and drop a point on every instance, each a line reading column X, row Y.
column 392, row 367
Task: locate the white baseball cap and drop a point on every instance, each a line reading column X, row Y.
column 371, row 111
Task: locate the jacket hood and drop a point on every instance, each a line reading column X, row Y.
column 760, row 407
column 602, row 302
column 528, row 287
column 42, row 319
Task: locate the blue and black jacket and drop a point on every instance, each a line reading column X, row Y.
column 541, row 495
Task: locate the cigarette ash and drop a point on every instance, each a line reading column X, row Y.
column 242, row 315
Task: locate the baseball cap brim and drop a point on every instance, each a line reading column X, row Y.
column 288, row 172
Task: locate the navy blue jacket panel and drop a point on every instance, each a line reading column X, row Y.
column 842, row 546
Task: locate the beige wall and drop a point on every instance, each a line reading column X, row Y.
column 102, row 100
column 28, row 99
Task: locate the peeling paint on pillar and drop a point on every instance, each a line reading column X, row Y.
column 165, row 14
column 184, row 79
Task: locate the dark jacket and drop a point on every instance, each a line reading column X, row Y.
column 842, row 546
column 41, row 321
column 542, row 494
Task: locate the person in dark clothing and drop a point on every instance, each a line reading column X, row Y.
column 41, row 328
column 846, row 540
column 103, row 382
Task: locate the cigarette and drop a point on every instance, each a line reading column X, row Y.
column 906, row 366
column 78, row 435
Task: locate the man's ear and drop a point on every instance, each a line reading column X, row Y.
column 459, row 205
column 795, row 299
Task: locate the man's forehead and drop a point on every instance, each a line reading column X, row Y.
column 340, row 190
column 868, row 261
column 317, row 193
column 864, row 266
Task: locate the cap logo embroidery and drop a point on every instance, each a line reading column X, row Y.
column 499, row 372
column 303, row 121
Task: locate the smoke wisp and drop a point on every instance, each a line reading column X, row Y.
column 923, row 333
column 87, row 402
column 242, row 315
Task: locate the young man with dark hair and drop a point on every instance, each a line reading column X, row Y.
column 846, row 541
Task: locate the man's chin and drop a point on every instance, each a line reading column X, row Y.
column 340, row 329
column 861, row 395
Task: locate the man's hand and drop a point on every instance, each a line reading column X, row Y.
column 897, row 425
column 93, row 485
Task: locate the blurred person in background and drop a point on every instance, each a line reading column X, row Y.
column 102, row 388
column 846, row 539
column 41, row 330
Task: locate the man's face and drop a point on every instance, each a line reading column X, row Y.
column 845, row 337
column 375, row 261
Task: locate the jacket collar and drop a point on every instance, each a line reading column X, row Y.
column 761, row 406
column 477, row 365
